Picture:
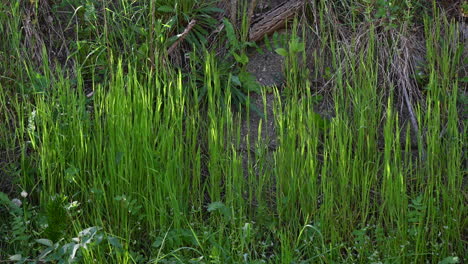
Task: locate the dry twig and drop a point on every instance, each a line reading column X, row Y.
column 182, row 36
column 234, row 12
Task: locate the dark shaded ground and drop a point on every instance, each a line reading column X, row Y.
column 267, row 67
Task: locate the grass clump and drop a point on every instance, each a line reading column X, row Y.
column 126, row 153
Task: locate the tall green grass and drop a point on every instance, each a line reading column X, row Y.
column 166, row 176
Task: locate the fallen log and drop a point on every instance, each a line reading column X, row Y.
column 274, row 19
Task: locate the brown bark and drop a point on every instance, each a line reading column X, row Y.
column 274, row 19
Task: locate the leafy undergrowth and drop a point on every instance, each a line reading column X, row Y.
column 133, row 155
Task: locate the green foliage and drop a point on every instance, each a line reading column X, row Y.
column 180, row 13
column 51, row 248
column 234, row 80
column 295, row 47
column 248, row 82
column 57, row 218
column 387, row 11
column 222, row 208
column 464, row 8
column 157, row 159
column 17, row 224
column 72, row 252
column 240, row 78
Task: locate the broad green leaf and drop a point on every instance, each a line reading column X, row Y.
column 242, row 59
column 282, row 52
column 215, row 206
column 158, row 242
column 45, row 242
column 249, row 83
column 231, row 35
column 210, row 9
column 235, row 80
column 166, row 9
column 450, row 260
column 74, row 250
column 16, row 257
column 114, row 242
column 295, row 47
column 4, row 199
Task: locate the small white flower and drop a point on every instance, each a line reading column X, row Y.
column 24, row 194
column 17, row 202
column 31, row 126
